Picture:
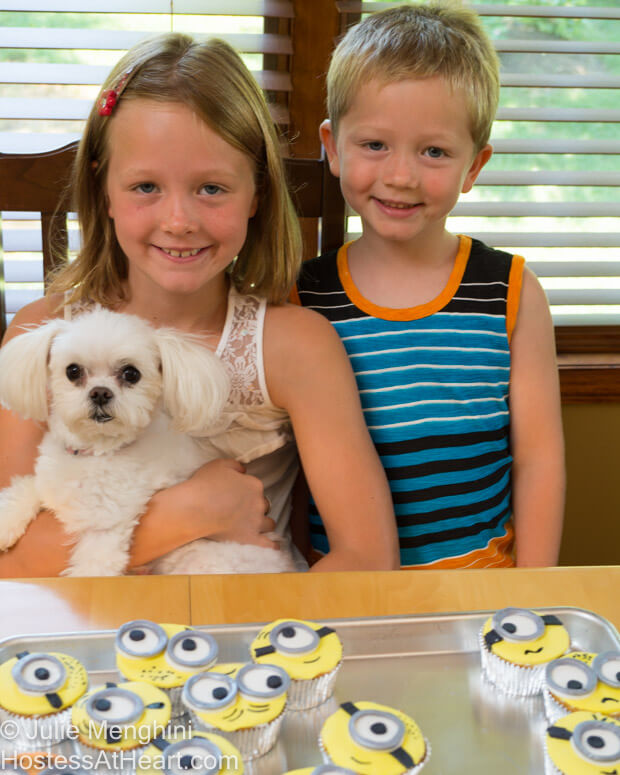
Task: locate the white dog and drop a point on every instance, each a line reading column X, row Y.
column 125, row 404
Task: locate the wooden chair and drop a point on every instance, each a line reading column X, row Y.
column 38, row 183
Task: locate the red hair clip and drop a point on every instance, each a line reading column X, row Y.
column 109, row 98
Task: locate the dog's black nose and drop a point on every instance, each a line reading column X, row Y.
column 100, row 395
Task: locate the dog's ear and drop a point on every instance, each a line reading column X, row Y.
column 23, row 371
column 195, row 383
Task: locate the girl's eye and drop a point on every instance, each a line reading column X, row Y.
column 146, row 188
column 211, row 189
column 141, row 638
column 434, row 152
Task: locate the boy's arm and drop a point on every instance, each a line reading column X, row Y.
column 309, row 374
column 536, row 431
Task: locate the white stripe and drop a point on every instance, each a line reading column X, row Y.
column 423, row 331
column 435, row 349
column 334, row 306
column 431, row 401
column 433, row 384
column 456, row 314
column 429, row 366
column 468, row 298
column 495, row 282
column 438, row 419
column 322, row 293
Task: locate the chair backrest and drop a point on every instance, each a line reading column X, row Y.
column 38, row 183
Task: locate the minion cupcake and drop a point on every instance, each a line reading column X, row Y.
column 373, row 739
column 322, row 769
column 164, row 655
column 310, row 653
column 583, row 681
column 113, row 724
column 583, row 743
column 202, row 753
column 515, row 646
column 243, row 703
column 37, row 690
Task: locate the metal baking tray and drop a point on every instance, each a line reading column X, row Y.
column 427, row 666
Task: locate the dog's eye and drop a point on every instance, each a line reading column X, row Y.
column 130, row 374
column 74, row 372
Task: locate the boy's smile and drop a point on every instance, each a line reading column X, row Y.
column 404, row 153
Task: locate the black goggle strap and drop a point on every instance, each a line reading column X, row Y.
column 398, row 753
column 113, row 735
column 551, row 619
column 323, row 631
column 263, row 650
column 155, row 705
column 54, row 700
column 559, row 733
column 491, row 638
column 22, row 654
column 160, row 743
column 110, row 685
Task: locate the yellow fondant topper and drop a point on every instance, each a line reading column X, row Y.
column 38, row 683
column 304, row 649
column 201, row 753
column 165, row 655
column 373, row 739
column 524, row 637
column 585, row 681
column 585, row 743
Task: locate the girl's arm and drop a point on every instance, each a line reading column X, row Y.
column 309, row 374
column 536, row 431
column 218, row 501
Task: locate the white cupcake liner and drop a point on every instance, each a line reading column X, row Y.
column 513, row 679
column 550, row 768
column 33, row 733
column 304, row 726
column 100, row 760
column 251, row 741
column 411, row 771
column 308, row 693
column 554, row 709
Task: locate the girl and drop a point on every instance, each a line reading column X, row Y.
column 186, row 221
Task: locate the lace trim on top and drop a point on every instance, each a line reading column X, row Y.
column 241, row 351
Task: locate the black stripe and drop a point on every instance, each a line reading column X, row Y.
column 160, row 743
column 457, row 488
column 414, row 542
column 54, row 700
column 403, row 757
column 551, row 619
column 429, row 467
column 323, row 631
column 349, row 707
column 476, row 307
column 560, row 733
column 491, row 638
column 435, row 442
column 263, row 650
column 335, row 315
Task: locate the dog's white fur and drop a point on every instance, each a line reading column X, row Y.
column 100, row 463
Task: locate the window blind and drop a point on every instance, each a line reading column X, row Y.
column 551, row 190
column 54, row 54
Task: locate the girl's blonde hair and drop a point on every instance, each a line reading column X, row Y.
column 211, row 79
column 441, row 38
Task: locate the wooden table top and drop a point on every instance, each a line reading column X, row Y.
column 68, row 605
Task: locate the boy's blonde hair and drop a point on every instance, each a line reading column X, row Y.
column 440, row 38
column 211, row 79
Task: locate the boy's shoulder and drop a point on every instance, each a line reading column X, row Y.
column 320, row 273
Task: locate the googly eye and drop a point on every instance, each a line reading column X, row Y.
column 209, row 691
column 197, row 754
column 265, row 681
column 570, row 677
column 141, row 638
column 114, row 705
column 193, row 649
column 607, row 668
column 39, row 673
column 376, row 729
column 294, row 638
column 518, row 624
column 597, row 741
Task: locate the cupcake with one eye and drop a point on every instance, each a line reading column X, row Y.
column 242, row 702
column 37, row 691
column 164, row 655
column 583, row 681
column 322, row 769
column 583, row 743
column 310, row 653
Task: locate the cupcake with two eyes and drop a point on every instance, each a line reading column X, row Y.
column 242, row 702
column 37, row 691
column 164, row 655
column 113, row 724
column 310, row 653
column 583, row 743
column 516, row 644
column 583, row 681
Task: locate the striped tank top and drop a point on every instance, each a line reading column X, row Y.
column 434, row 385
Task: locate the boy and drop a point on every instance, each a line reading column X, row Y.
column 451, row 341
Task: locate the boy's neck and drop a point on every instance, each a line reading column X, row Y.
column 401, row 275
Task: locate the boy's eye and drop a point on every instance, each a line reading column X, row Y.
column 434, row 152
column 375, row 145
column 145, row 188
column 211, row 189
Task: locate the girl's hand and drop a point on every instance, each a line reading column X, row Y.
column 224, row 503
